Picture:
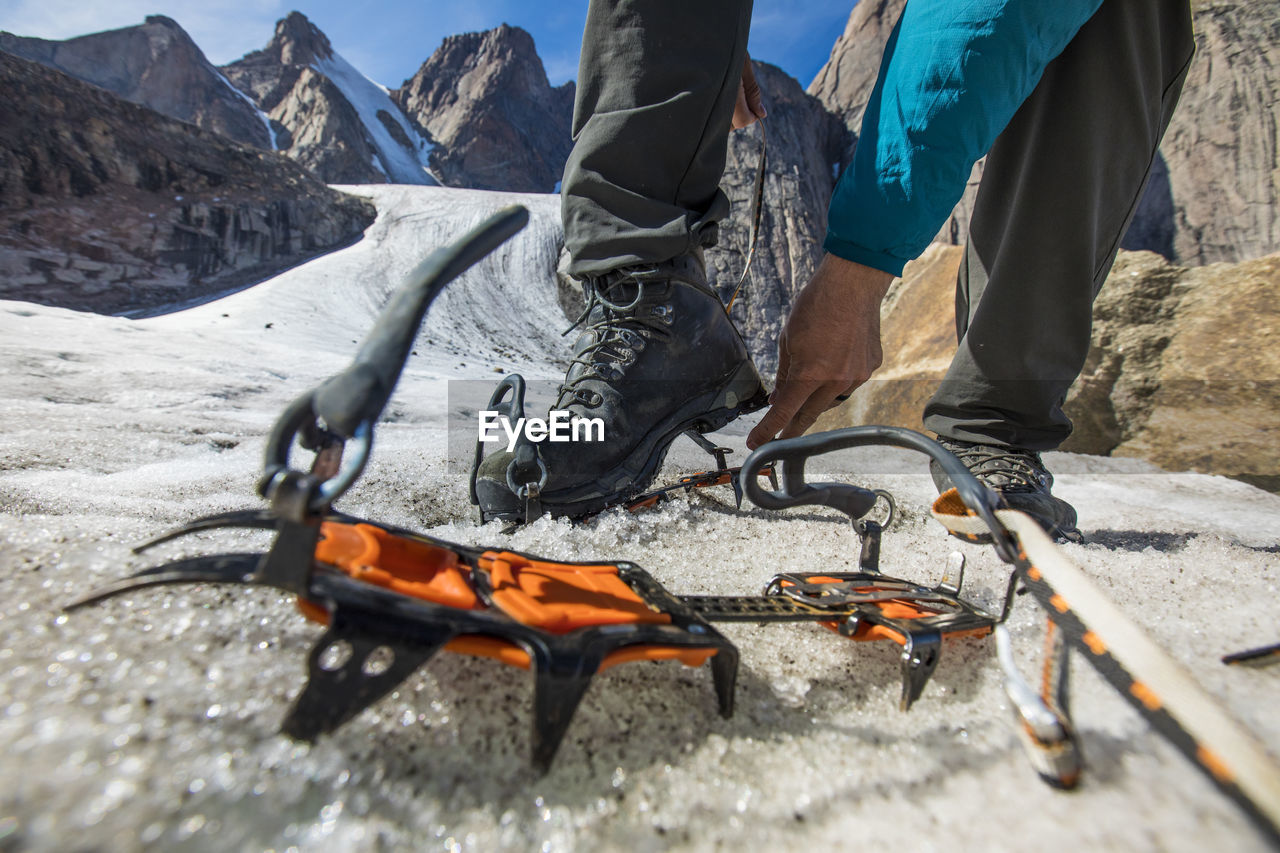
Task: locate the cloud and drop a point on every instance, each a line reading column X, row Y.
column 224, row 29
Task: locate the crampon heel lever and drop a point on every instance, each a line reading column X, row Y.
column 793, row 453
column 526, row 473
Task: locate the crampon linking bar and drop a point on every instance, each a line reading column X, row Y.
column 390, row 599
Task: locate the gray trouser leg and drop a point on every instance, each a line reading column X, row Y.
column 1059, row 188
column 657, row 83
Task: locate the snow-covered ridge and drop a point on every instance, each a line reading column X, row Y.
column 367, row 97
column 262, row 117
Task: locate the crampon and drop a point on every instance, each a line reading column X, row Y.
column 390, row 599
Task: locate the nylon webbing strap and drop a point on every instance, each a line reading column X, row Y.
column 1156, row 685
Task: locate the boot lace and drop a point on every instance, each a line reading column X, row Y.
column 620, row 334
column 1004, row 468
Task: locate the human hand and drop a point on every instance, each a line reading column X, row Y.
column 750, row 106
column 829, row 346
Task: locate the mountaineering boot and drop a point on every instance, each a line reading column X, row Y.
column 658, row 355
column 1019, row 477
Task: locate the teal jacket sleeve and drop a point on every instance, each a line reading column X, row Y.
column 954, row 73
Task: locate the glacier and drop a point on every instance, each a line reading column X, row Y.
column 151, row 721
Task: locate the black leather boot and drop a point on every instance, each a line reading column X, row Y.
column 1021, row 479
column 658, row 356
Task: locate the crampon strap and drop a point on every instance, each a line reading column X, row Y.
column 1159, row 688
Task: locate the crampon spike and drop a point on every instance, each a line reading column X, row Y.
column 557, row 692
column 254, row 519
column 351, row 667
column 215, row 568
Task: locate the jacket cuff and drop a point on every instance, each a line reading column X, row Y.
column 860, row 255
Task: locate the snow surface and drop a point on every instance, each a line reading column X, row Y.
column 400, row 164
column 151, row 720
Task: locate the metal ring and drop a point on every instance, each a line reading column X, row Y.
column 511, row 480
column 352, row 467
column 891, row 504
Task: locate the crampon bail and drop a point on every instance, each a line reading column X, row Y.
column 527, row 472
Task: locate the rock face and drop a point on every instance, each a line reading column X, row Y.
column 806, row 147
column 1221, row 148
column 496, row 121
column 1194, row 374
column 844, row 84
column 1214, row 194
column 157, row 65
column 1182, row 370
column 331, row 119
column 108, row 206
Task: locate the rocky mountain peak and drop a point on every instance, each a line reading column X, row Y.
column 155, row 64
column 473, row 67
column 297, row 41
column 486, row 102
column 165, row 21
column 329, row 117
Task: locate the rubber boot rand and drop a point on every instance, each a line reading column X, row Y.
column 658, row 355
column 1021, row 479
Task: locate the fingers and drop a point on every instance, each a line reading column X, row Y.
column 796, row 407
column 751, row 89
column 788, row 397
column 818, row 402
column 840, row 398
column 750, row 106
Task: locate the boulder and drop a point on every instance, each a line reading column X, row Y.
column 1212, row 400
column 1182, row 370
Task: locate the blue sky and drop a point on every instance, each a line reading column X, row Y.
column 389, row 39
